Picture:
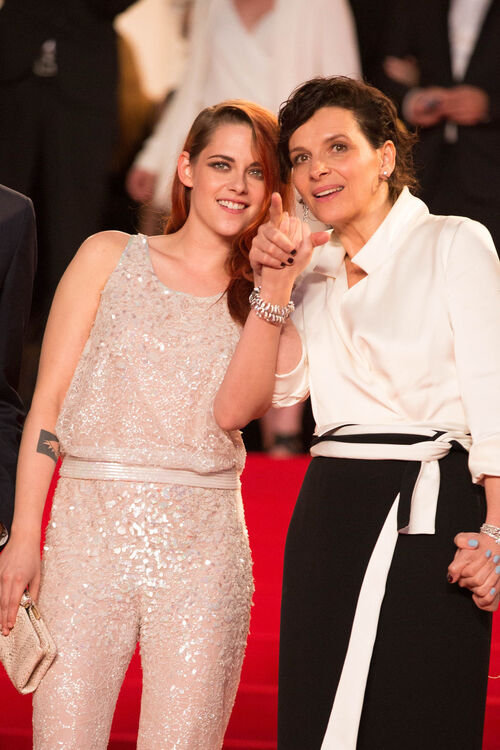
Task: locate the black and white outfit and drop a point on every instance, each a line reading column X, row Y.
column 377, row 649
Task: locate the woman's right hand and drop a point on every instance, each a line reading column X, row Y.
column 19, row 569
column 283, row 243
column 476, row 567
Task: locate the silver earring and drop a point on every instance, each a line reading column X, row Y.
column 305, row 211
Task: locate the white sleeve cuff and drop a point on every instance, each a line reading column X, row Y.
column 484, row 458
column 292, row 387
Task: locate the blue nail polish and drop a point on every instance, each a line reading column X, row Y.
column 496, row 559
column 497, row 570
column 492, row 591
column 488, row 553
column 473, row 543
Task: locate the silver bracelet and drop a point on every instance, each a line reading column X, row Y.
column 275, row 314
column 490, row 530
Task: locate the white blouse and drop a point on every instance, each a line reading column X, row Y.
column 414, row 343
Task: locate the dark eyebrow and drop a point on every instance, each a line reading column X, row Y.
column 325, row 140
column 230, row 158
column 221, row 156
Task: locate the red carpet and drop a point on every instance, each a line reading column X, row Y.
column 269, row 490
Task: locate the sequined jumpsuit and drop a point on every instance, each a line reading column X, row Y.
column 136, row 559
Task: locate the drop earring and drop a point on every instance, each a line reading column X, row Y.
column 305, row 211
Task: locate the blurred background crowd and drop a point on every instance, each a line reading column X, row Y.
column 96, row 97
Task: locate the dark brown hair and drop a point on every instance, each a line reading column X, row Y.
column 374, row 112
column 264, row 127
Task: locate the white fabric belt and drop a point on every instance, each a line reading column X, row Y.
column 343, row 725
column 81, row 468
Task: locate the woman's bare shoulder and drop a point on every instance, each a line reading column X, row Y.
column 99, row 254
column 94, row 262
column 104, row 246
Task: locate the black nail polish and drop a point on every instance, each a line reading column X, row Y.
column 449, row 578
column 294, row 252
column 283, row 264
column 290, row 260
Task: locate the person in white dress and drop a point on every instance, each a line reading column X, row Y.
column 245, row 49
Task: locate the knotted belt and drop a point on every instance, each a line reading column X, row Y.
column 412, row 512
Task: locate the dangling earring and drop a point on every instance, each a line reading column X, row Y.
column 305, row 211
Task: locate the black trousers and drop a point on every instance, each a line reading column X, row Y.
column 58, row 151
column 428, row 675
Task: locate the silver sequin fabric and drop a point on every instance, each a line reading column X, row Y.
column 126, row 562
column 144, row 387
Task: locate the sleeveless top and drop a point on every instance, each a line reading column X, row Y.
column 143, row 390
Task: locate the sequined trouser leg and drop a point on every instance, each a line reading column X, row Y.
column 168, row 566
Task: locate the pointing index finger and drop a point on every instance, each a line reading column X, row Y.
column 276, row 209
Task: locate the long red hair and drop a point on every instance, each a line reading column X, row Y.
column 264, row 126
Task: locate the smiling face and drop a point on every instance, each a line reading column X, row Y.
column 226, row 181
column 335, row 168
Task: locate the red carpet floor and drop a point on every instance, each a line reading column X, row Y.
column 269, row 490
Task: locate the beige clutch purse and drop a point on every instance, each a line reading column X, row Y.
column 28, row 651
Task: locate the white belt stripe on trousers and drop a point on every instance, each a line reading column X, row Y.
column 343, row 725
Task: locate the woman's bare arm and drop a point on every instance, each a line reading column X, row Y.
column 71, row 318
column 265, row 349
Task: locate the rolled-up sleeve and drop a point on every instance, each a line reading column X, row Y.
column 292, row 387
column 473, row 292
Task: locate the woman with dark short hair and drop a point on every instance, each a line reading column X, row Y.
column 395, row 337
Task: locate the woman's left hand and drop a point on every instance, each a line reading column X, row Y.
column 476, row 566
column 283, row 242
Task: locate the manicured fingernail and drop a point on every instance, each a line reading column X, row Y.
column 492, row 591
column 294, row 252
column 488, row 553
column 496, row 559
column 283, row 264
column 497, row 570
column 473, row 543
column 449, row 578
column 290, row 260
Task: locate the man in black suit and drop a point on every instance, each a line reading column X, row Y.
column 456, row 104
column 17, row 270
column 58, row 119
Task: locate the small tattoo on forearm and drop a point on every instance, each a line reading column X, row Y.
column 48, row 444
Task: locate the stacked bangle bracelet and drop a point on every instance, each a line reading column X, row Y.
column 275, row 314
column 490, row 530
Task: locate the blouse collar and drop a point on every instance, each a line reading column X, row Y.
column 384, row 242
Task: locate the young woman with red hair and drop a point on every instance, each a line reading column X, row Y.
column 147, row 539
